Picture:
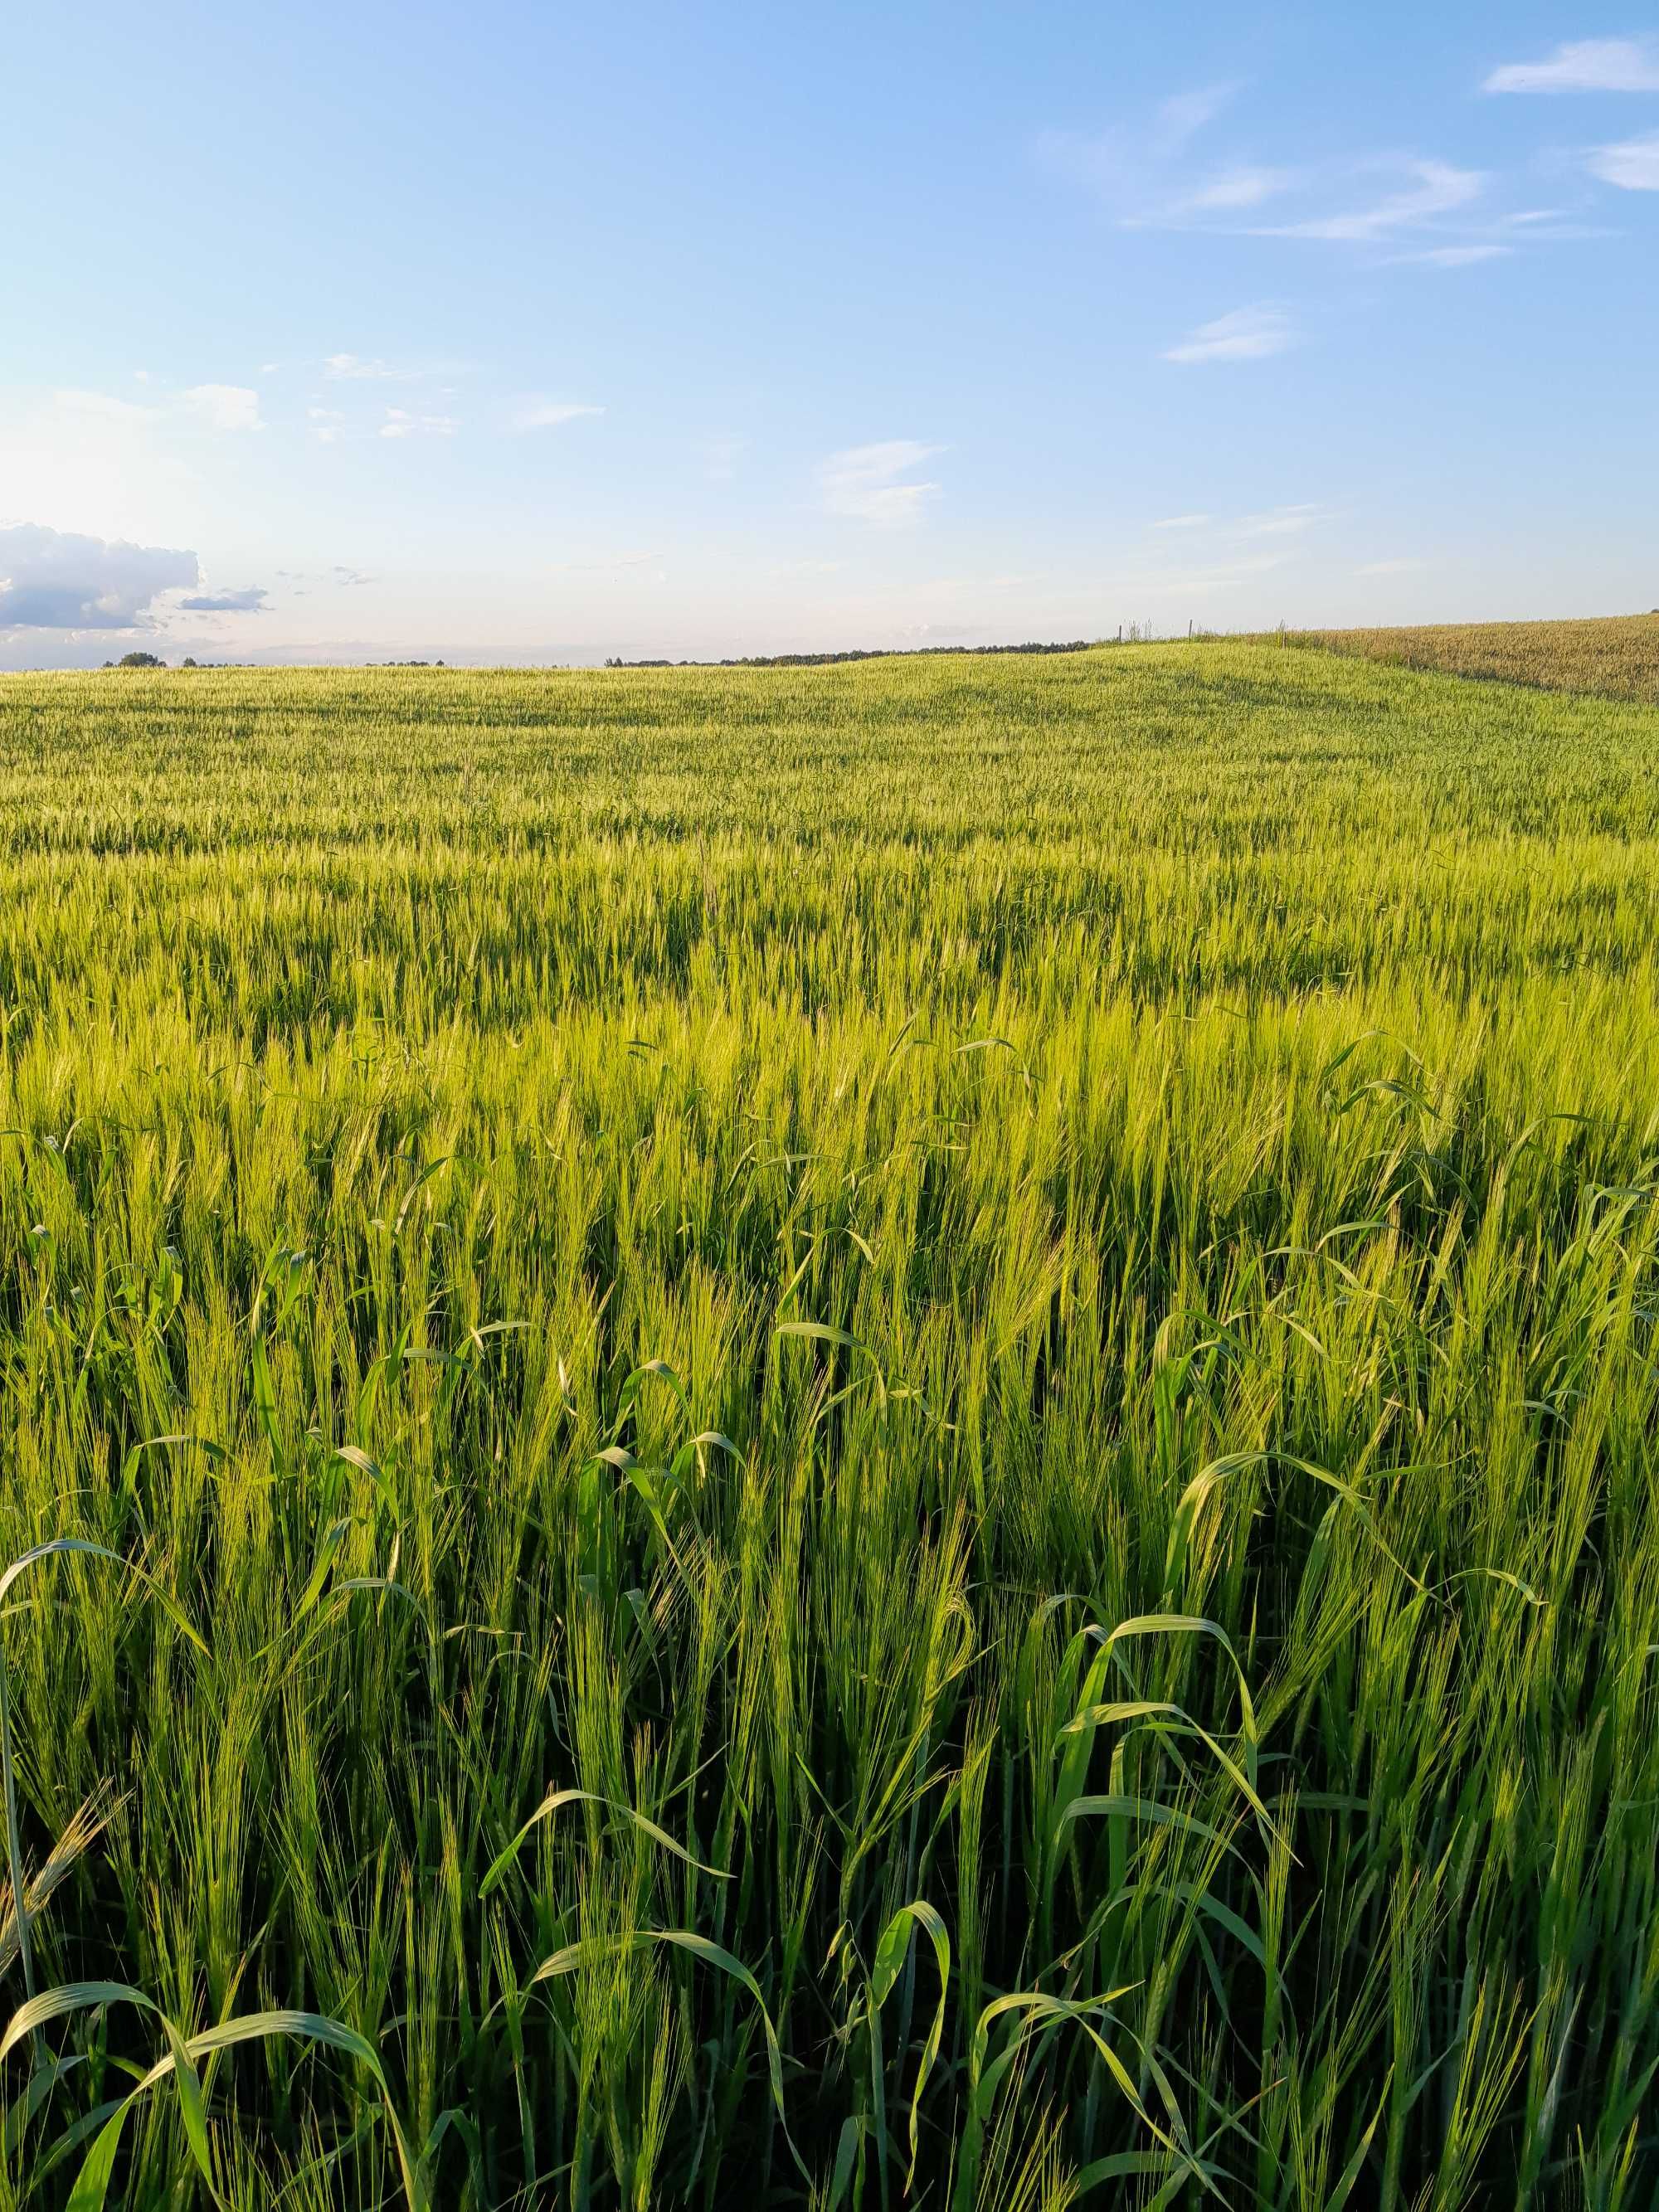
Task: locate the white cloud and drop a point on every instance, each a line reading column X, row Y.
column 1248, row 334
column 1180, row 118
column 1584, row 65
column 1633, row 165
column 864, row 482
column 104, row 405
column 353, row 369
column 1287, row 521
column 1231, row 189
column 54, row 579
column 1145, row 177
column 251, row 601
column 223, row 406
column 549, row 414
column 1436, row 189
column 1130, row 169
column 399, row 423
column 1396, row 568
column 1453, row 256
column 1280, row 521
column 215, row 406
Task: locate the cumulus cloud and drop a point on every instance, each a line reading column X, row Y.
column 534, row 414
column 1632, row 165
column 864, row 481
column 54, row 579
column 1584, row 65
column 1248, row 334
column 251, row 601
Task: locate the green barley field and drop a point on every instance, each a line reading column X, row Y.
column 869, row 1437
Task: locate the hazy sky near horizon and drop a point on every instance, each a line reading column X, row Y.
column 507, row 332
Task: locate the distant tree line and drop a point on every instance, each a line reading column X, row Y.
column 155, row 660
column 855, row 653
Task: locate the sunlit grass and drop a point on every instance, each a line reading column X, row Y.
column 875, row 1435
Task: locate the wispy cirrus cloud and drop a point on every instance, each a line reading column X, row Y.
column 1433, row 189
column 866, row 482
column 1280, row 521
column 1247, row 334
column 538, row 414
column 1452, row 257
column 1176, row 121
column 1231, row 190
column 1146, row 177
column 1289, row 520
column 1632, row 165
column 1141, row 174
column 1584, row 65
column 400, row 424
column 1170, row 174
column 358, row 368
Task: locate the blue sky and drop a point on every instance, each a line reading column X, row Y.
column 513, row 333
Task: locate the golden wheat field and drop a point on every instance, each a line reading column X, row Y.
column 1617, row 655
